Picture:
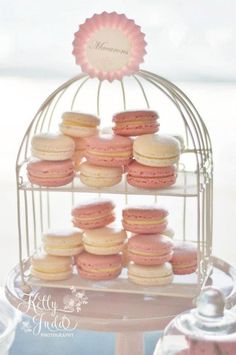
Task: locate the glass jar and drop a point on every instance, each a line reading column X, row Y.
column 208, row 329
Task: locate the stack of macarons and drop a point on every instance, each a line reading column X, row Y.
column 103, row 243
column 52, row 165
column 155, row 155
column 148, row 158
column 56, row 260
column 106, row 155
column 155, row 159
column 149, row 251
column 100, row 249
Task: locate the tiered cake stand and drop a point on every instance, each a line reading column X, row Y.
column 118, row 305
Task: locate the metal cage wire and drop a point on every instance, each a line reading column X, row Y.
column 198, row 150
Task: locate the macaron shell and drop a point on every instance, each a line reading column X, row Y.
column 50, row 264
column 139, row 170
column 109, row 150
column 99, row 276
column 104, row 241
column 63, row 252
column 93, row 207
column 93, row 223
column 150, row 177
column 93, row 214
column 159, row 162
column 150, row 275
column 102, row 182
column 156, row 150
column 105, row 250
column 86, row 260
column 150, row 212
column 82, row 118
column 149, row 260
column 151, row 183
column 150, row 249
column 184, row 270
column 136, row 130
column 51, row 182
column 78, row 124
column 79, row 131
column 51, row 155
column 57, row 276
column 96, row 267
column 145, row 228
column 135, row 116
column 63, row 237
column 50, row 173
column 99, row 176
column 107, row 161
column 184, row 260
column 48, row 146
column 151, row 243
column 144, row 219
column 133, row 123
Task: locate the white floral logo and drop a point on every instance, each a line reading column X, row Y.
column 45, row 307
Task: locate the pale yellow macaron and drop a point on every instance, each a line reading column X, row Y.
column 50, row 267
column 79, row 153
column 100, row 176
column 65, row 242
column 150, row 275
column 78, row 124
column 104, row 241
column 156, row 150
column 52, row 146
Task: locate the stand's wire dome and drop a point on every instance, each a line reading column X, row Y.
column 193, row 189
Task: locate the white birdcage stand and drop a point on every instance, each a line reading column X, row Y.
column 193, row 188
column 190, row 200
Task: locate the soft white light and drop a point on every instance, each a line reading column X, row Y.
column 6, row 46
column 219, row 36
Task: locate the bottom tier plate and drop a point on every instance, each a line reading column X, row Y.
column 182, row 285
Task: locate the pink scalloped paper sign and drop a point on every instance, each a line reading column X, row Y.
column 109, row 46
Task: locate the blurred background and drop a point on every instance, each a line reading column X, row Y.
column 191, row 43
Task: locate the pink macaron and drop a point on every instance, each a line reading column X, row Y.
column 99, row 267
column 109, row 150
column 93, row 214
column 145, row 219
column 150, row 177
column 135, row 123
column 50, row 173
column 150, row 249
column 184, row 260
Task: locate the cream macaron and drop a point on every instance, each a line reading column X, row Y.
column 51, row 267
column 52, row 146
column 100, row 176
column 150, row 275
column 79, row 153
column 104, row 241
column 66, row 242
column 156, row 150
column 78, row 124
